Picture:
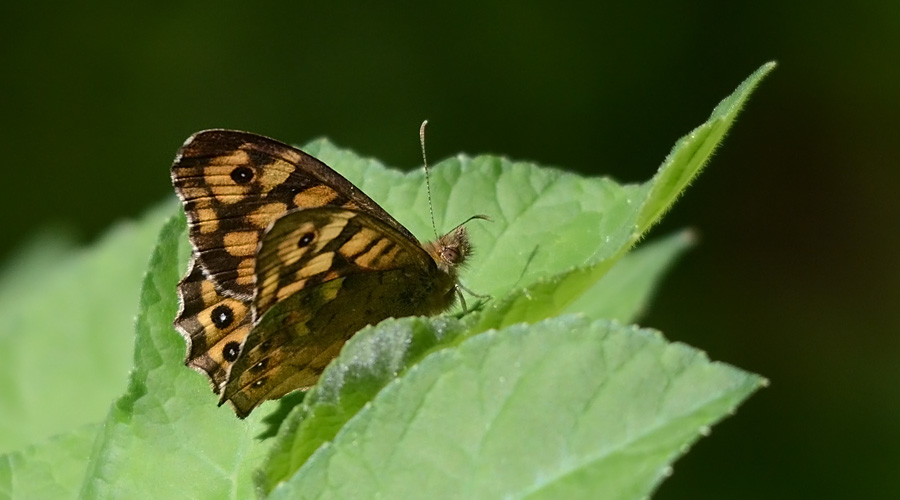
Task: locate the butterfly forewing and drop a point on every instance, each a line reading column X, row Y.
column 234, row 184
column 323, row 274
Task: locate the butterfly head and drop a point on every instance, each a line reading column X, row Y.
column 451, row 250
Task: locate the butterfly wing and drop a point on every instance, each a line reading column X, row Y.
column 323, row 274
column 234, row 184
column 213, row 325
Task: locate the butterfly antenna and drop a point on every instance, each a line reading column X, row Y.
column 427, row 177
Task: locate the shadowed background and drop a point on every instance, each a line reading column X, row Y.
column 795, row 275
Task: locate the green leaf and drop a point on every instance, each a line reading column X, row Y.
column 565, row 408
column 166, row 437
column 543, row 220
column 50, row 470
column 369, row 360
column 605, row 220
column 67, row 328
column 554, row 238
column 32, row 262
column 693, row 150
column 625, row 217
column 461, row 185
column 623, row 293
column 399, row 344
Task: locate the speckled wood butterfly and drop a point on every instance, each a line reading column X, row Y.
column 289, row 261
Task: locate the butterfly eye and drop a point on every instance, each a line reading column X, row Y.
column 242, row 175
column 450, row 254
column 305, row 240
column 222, row 316
column 230, row 352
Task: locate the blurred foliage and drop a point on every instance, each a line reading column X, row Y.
column 796, row 264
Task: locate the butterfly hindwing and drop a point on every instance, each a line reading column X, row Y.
column 322, row 275
column 312, row 246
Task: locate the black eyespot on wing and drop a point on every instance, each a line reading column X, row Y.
column 258, row 367
column 230, row 351
column 242, row 175
column 305, row 240
column 259, row 383
column 222, row 316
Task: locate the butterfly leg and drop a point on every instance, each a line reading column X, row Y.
column 460, row 288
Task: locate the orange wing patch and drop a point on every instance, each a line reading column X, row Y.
column 315, row 196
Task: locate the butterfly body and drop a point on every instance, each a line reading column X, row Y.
column 289, row 261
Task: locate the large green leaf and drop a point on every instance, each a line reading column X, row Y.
column 565, row 408
column 554, row 239
column 575, row 284
column 52, row 470
column 67, row 329
column 165, row 438
column 622, row 294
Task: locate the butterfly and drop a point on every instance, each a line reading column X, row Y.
column 289, row 260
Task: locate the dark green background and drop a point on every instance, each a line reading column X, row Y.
column 796, row 273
